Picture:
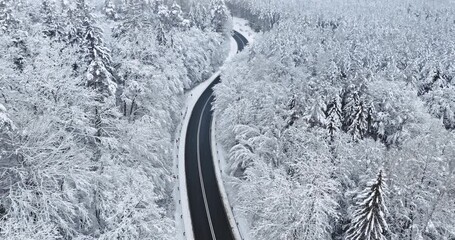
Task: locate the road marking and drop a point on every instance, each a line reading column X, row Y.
column 201, row 179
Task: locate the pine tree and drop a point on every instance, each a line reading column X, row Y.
column 317, row 114
column 163, row 13
column 448, row 118
column 220, row 15
column 356, row 117
column 136, row 19
column 198, row 15
column 334, row 117
column 7, row 21
column 371, row 125
column 294, row 112
column 96, row 54
column 109, row 10
column 6, row 124
column 369, row 221
column 99, row 74
column 176, row 15
column 76, row 19
column 161, row 35
column 52, row 26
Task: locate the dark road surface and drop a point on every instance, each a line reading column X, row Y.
column 208, row 215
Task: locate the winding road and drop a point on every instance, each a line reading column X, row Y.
column 208, row 215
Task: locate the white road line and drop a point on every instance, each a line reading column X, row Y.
column 201, row 179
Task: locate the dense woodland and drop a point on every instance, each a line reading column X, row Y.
column 90, row 96
column 339, row 120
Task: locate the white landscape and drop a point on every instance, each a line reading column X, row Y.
column 227, row 119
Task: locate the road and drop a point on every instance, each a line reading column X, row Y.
column 208, row 215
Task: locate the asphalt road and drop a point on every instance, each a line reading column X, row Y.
column 208, row 215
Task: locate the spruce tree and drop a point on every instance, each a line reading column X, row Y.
column 109, row 10
column 7, row 20
column 220, row 15
column 53, row 28
column 448, row 118
column 176, row 15
column 198, row 15
column 96, row 54
column 5, row 123
column 317, row 114
column 334, row 117
column 369, row 221
column 356, row 116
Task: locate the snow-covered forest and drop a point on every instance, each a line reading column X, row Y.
column 339, row 120
column 90, row 96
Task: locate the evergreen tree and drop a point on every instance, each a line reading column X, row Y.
column 449, row 118
column 95, row 54
column 356, row 117
column 371, row 125
column 176, row 15
column 161, row 35
column 369, row 221
column 198, row 15
column 7, row 20
column 220, row 15
column 99, row 74
column 6, row 124
column 334, row 117
column 109, row 10
column 172, row 17
column 52, row 25
column 136, row 18
column 294, row 112
column 317, row 114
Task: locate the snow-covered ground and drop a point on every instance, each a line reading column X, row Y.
column 242, row 26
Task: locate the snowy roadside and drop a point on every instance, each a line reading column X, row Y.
column 182, row 215
column 242, row 26
column 227, row 185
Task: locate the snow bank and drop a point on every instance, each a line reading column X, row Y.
column 242, row 26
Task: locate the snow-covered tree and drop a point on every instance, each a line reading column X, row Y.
column 89, row 156
column 110, row 10
column 51, row 20
column 7, row 21
column 369, row 220
column 198, row 15
column 334, row 117
column 136, row 18
column 176, row 15
column 356, row 117
column 317, row 114
column 220, row 15
column 396, row 127
column 99, row 72
column 6, row 125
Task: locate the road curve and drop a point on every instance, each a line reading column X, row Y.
column 209, row 218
